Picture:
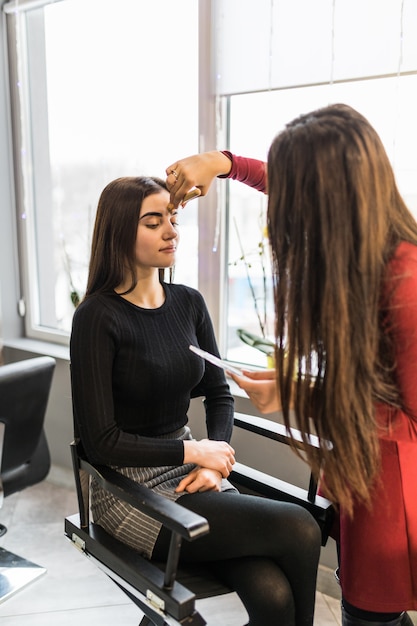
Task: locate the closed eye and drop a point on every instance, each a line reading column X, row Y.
column 148, row 217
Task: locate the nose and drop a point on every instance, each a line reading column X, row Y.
column 170, row 232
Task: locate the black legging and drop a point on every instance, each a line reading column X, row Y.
column 266, row 551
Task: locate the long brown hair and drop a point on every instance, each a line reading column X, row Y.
column 115, row 229
column 335, row 217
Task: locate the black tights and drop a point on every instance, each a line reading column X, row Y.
column 266, row 551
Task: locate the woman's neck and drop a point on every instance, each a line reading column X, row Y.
column 148, row 293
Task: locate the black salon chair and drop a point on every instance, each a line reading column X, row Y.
column 24, row 452
column 164, row 592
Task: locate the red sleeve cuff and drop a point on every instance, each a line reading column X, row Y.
column 251, row 172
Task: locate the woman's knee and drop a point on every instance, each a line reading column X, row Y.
column 265, row 591
column 310, row 529
column 305, row 532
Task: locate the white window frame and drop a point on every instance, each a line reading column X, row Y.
column 30, row 167
column 31, row 235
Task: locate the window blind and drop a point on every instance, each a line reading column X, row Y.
column 276, row 44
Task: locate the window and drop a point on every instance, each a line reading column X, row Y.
column 109, row 89
column 304, row 59
column 249, row 284
column 104, row 90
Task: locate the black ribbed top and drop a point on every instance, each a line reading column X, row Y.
column 133, row 376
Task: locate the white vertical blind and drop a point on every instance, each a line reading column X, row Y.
column 273, row 44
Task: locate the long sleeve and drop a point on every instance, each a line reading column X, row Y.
column 219, row 404
column 387, row 530
column 403, row 314
column 251, row 172
column 133, row 376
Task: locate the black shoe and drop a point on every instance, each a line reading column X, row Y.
column 349, row 620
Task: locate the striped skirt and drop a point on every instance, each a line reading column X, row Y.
column 127, row 523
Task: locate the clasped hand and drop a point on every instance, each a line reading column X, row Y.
column 200, row 479
column 215, row 455
column 214, row 461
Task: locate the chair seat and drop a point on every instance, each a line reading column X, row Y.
column 24, row 451
column 200, row 580
column 30, row 473
column 145, row 579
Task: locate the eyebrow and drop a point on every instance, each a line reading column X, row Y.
column 151, row 214
column 154, row 214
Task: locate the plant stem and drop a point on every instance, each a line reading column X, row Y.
column 252, row 290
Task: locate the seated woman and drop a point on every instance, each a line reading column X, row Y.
column 133, row 377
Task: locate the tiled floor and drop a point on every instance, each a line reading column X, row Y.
column 74, row 591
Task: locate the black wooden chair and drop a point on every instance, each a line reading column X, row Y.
column 24, row 452
column 164, row 592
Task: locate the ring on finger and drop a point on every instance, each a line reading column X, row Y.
column 174, row 173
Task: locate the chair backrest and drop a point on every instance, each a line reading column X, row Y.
column 24, row 393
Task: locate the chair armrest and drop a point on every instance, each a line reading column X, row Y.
column 271, row 487
column 273, row 430
column 178, row 519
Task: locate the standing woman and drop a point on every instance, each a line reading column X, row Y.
column 133, row 377
column 344, row 254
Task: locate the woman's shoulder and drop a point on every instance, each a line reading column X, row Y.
column 404, row 257
column 408, row 248
column 184, row 291
column 96, row 305
column 402, row 275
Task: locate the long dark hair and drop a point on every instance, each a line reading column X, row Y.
column 115, row 229
column 335, row 217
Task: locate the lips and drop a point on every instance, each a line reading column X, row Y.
column 169, row 249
